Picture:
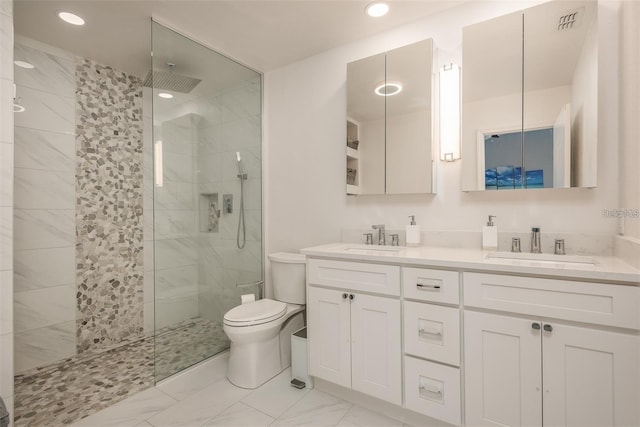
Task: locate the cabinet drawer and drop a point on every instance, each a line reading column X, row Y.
column 432, row 389
column 598, row 303
column 431, row 285
column 432, row 332
column 357, row 276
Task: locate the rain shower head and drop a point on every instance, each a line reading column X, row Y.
column 170, row 81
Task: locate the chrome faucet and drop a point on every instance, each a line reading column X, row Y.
column 536, row 248
column 381, row 235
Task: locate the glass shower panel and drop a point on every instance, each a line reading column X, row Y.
column 207, row 195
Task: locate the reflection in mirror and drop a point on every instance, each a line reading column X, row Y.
column 365, row 124
column 389, row 132
column 539, row 122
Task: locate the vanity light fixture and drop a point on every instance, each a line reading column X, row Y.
column 388, row 89
column 377, row 9
column 157, row 164
column 71, row 18
column 450, row 113
column 165, row 95
column 24, row 64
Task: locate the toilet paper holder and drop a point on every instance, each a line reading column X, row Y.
column 258, row 283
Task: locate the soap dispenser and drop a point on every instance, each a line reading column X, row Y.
column 413, row 232
column 490, row 235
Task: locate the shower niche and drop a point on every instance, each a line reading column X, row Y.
column 209, row 213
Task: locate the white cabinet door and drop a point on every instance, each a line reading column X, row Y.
column 502, row 371
column 376, row 350
column 590, row 377
column 329, row 335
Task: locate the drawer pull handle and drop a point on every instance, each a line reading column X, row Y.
column 423, row 286
column 548, row 328
column 351, row 297
column 345, row 295
column 437, row 392
column 425, row 332
column 536, row 326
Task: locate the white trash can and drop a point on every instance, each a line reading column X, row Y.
column 299, row 365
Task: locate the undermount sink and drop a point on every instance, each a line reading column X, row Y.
column 571, row 259
column 376, row 248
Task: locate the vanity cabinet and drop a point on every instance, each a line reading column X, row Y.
column 431, row 340
column 531, row 370
column 354, row 337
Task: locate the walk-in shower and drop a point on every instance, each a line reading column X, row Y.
column 125, row 260
column 211, row 141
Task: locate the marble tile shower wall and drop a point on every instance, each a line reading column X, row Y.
column 63, row 305
column 233, row 123
column 176, row 258
column 44, row 216
column 6, row 203
column 109, row 207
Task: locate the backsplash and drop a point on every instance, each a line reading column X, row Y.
column 628, row 249
column 576, row 244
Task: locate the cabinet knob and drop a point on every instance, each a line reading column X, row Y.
column 345, row 295
column 548, row 328
column 536, row 326
column 351, row 296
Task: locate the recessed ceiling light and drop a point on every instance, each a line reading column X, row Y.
column 377, row 9
column 165, row 95
column 24, row 64
column 388, row 89
column 71, row 18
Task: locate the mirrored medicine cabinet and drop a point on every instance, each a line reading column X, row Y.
column 389, row 122
column 529, row 99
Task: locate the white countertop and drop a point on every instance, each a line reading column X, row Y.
column 607, row 269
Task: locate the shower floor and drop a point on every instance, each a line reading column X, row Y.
column 77, row 387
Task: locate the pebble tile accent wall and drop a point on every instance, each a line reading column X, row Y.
column 109, row 222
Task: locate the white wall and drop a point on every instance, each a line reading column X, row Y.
column 630, row 116
column 305, row 110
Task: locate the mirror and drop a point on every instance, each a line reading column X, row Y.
column 389, row 122
column 529, row 107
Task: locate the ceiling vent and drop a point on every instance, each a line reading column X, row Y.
column 570, row 20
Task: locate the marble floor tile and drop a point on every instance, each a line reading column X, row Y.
column 315, row 409
column 131, row 411
column 361, row 417
column 241, row 415
column 185, row 384
column 200, row 407
column 276, row 396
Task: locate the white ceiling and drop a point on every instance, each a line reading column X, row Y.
column 263, row 34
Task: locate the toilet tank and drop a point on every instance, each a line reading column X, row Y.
column 289, row 277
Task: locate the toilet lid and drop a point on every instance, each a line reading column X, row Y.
column 255, row 313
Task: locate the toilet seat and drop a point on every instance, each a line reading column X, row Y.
column 255, row 313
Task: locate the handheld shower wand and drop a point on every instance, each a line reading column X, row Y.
column 241, row 172
column 242, row 175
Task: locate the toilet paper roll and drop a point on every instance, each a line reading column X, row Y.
column 245, row 298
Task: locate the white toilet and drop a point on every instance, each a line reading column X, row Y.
column 260, row 331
